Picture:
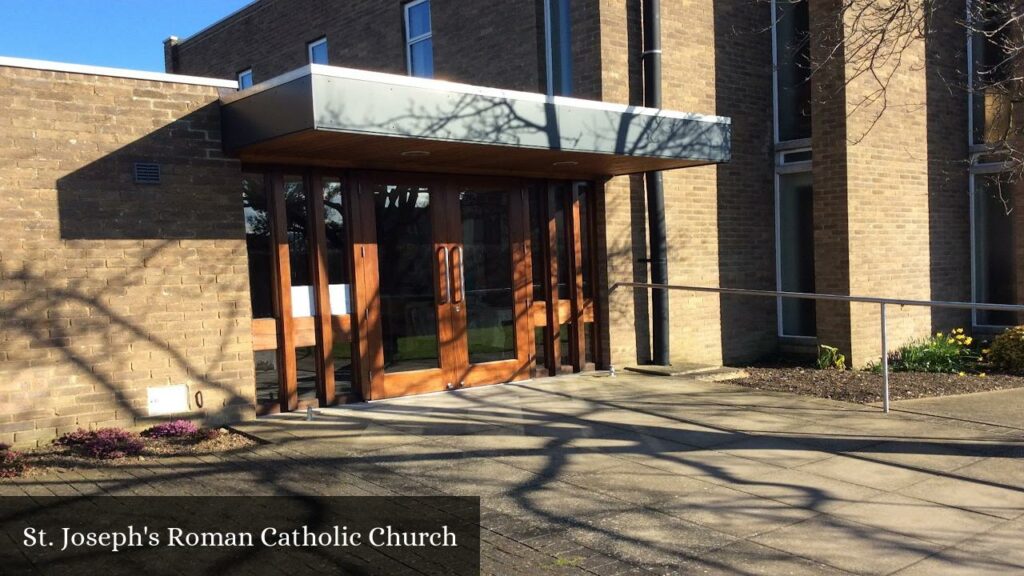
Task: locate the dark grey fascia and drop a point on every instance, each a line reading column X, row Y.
column 331, row 99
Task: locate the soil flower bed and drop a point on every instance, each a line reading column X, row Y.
column 866, row 387
column 115, row 447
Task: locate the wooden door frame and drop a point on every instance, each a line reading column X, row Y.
column 358, row 328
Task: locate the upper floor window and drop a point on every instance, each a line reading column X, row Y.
column 419, row 42
column 992, row 64
column 245, row 79
column 792, row 70
column 558, row 47
column 318, row 51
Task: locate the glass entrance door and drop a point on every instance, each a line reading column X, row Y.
column 450, row 302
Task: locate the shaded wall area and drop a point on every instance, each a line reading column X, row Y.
column 108, row 287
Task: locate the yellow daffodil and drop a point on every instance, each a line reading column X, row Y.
column 969, row 340
column 938, row 334
column 950, row 340
column 963, row 374
column 982, row 375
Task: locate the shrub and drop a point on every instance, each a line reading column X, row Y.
column 830, row 358
column 1008, row 350
column 12, row 464
column 175, row 429
column 207, row 434
column 951, row 353
column 104, row 444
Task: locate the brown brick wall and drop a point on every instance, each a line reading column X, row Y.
column 108, row 287
column 497, row 44
column 890, row 188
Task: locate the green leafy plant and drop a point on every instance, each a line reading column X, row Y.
column 829, row 358
column 951, row 353
column 1007, row 351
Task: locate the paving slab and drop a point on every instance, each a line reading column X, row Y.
column 1001, row 407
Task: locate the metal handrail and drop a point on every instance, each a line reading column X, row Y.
column 882, row 303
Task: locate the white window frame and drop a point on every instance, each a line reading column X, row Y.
column 409, row 40
column 782, row 148
column 549, row 51
column 314, row 44
column 246, row 72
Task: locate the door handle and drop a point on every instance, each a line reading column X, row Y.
column 460, row 292
column 446, row 294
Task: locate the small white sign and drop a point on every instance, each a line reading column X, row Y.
column 303, row 302
column 340, row 302
column 168, row 400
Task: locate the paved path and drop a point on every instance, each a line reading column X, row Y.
column 1001, row 408
column 647, row 475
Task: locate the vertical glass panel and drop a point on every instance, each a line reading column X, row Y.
column 339, row 284
column 297, row 213
column 267, row 388
column 588, row 335
column 342, row 354
column 541, row 352
column 257, row 241
column 305, row 369
column 405, row 257
column 563, row 348
column 487, row 266
column 318, row 52
column 419, row 19
column 563, row 249
column 421, row 58
column 245, row 79
column 561, row 47
column 585, row 193
column 994, row 262
column 792, row 29
column 796, row 252
column 538, row 195
column 992, row 67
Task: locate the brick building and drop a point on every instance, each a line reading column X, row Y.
column 330, row 201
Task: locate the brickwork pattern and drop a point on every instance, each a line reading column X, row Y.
column 492, row 44
column 109, row 287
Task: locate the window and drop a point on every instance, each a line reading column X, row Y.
column 792, row 70
column 258, row 244
column 245, row 79
column 796, row 252
column 991, row 68
column 419, row 43
column 558, row 47
column 318, row 51
column 995, row 279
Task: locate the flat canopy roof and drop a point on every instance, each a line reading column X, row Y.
column 329, row 116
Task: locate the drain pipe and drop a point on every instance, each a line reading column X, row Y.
column 655, row 189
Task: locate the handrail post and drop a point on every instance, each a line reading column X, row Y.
column 885, row 362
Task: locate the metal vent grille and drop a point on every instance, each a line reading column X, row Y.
column 147, row 173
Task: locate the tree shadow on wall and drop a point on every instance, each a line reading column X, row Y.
column 146, row 285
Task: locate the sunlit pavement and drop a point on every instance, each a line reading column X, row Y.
column 646, row 475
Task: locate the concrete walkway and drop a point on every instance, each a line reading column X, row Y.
column 648, row 475
column 998, row 408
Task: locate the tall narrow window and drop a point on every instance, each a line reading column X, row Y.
column 796, row 253
column 245, row 79
column 992, row 69
column 257, row 242
column 419, row 42
column 318, row 51
column 793, row 59
column 995, row 278
column 297, row 208
column 558, row 47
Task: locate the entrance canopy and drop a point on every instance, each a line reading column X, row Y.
column 324, row 115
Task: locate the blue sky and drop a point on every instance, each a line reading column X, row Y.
column 120, row 33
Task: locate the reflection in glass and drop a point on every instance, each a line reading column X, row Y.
column 994, row 242
column 585, row 194
column 342, row 354
column 258, row 245
column 538, row 196
column 796, row 251
column 561, row 193
column 563, row 347
column 297, row 215
column 305, row 369
column 337, row 247
column 405, row 260
column 541, row 358
column 792, row 27
column 487, row 265
column 267, row 387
